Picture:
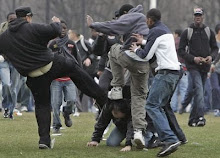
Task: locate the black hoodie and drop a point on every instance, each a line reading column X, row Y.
column 199, row 46
column 25, row 44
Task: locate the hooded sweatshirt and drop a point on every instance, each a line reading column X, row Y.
column 132, row 22
column 25, row 44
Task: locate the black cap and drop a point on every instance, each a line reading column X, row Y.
column 125, row 8
column 23, row 11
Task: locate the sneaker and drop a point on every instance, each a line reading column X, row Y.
column 46, row 146
column 68, row 121
column 11, row 117
column 56, row 132
column 168, row 148
column 216, row 113
column 115, row 93
column 23, row 109
column 184, row 141
column 139, row 139
column 181, row 110
column 154, row 143
column 201, row 122
column 6, row 113
column 76, row 114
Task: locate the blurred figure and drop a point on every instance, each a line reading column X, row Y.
column 8, row 99
column 182, row 84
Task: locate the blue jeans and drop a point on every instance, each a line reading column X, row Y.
column 6, row 86
column 198, row 83
column 160, row 93
column 215, row 85
column 58, row 89
column 180, row 90
column 189, row 93
column 115, row 138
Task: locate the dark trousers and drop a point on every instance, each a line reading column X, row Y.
column 172, row 118
column 40, row 87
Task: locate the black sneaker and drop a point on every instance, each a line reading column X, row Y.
column 11, row 117
column 201, row 122
column 6, row 113
column 154, row 142
column 184, row 141
column 47, row 146
column 168, row 148
column 68, row 121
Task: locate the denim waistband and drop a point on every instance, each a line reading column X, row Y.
column 166, row 71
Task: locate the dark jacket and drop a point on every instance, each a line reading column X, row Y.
column 71, row 46
column 25, row 44
column 101, row 46
column 124, row 125
column 199, row 46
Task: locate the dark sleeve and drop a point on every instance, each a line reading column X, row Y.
column 52, row 44
column 114, row 27
column 182, row 48
column 49, row 31
column 142, row 53
column 98, row 47
column 213, row 45
column 129, row 133
column 76, row 54
column 102, row 62
column 103, row 121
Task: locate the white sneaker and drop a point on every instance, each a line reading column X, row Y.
column 76, row 114
column 139, row 139
column 23, row 109
column 115, row 93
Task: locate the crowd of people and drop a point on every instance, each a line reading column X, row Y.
column 141, row 66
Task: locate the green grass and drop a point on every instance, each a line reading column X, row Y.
column 19, row 139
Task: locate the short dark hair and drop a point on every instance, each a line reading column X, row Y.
column 154, row 14
column 217, row 28
column 63, row 21
column 11, row 13
column 178, row 32
column 121, row 105
column 125, row 8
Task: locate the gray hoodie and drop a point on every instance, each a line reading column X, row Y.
column 132, row 22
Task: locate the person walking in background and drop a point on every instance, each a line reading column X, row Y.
column 215, row 77
column 63, row 87
column 182, row 85
column 25, row 45
column 8, row 101
column 202, row 50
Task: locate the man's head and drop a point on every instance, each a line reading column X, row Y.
column 119, row 108
column 153, row 16
column 24, row 12
column 125, row 9
column 177, row 33
column 198, row 16
column 64, row 28
column 11, row 16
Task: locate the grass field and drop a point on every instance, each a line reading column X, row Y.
column 19, row 139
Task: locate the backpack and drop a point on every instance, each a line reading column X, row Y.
column 190, row 32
